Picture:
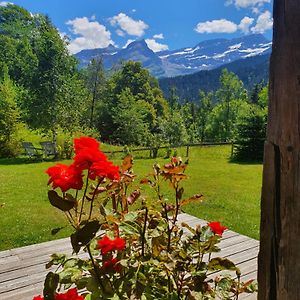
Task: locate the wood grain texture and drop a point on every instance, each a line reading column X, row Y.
column 279, row 257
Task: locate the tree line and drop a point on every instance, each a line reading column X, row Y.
column 42, row 88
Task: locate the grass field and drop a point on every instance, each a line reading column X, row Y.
column 231, row 190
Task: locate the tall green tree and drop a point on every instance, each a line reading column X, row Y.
column 130, row 118
column 231, row 97
column 173, row 130
column 94, row 76
column 205, row 106
column 56, row 69
column 9, row 114
column 144, row 89
column 251, row 129
column 17, row 22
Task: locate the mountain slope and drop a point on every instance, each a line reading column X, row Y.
column 206, row 55
column 211, row 54
column 250, row 70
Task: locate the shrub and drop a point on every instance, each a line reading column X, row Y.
column 250, row 135
column 9, row 116
column 136, row 248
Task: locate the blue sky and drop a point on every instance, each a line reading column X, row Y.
column 164, row 24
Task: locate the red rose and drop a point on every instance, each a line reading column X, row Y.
column 119, row 244
column 217, row 228
column 112, row 265
column 107, row 245
column 71, row 294
column 85, row 142
column 104, row 169
column 87, row 156
column 65, row 177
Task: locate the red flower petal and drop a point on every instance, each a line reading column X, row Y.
column 217, row 228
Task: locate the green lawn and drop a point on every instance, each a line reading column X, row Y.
column 231, row 190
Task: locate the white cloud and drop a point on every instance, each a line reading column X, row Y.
column 264, row 22
column 120, row 32
column 93, row 17
column 158, row 36
column 256, row 10
column 129, row 25
column 128, row 42
column 220, row 26
column 155, row 46
column 91, row 34
column 247, row 3
column 245, row 23
column 133, row 10
column 5, row 3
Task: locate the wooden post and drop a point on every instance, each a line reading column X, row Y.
column 187, row 150
column 279, row 257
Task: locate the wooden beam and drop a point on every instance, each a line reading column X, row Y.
column 279, row 257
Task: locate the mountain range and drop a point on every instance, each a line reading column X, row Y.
column 207, row 55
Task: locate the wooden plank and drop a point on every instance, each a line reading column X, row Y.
column 25, row 293
column 22, row 270
column 193, row 221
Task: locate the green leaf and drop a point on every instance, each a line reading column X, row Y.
column 69, row 275
column 130, row 228
column 50, row 285
column 54, row 231
column 206, row 234
column 59, row 202
column 83, row 236
column 56, row 259
column 218, row 264
column 131, row 216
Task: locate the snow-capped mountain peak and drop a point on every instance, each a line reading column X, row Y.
column 206, row 55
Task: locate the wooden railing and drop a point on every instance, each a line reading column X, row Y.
column 187, row 146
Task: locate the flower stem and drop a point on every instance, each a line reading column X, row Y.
column 84, row 195
column 95, row 267
column 144, row 232
column 93, row 198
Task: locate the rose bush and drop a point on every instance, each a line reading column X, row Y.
column 134, row 247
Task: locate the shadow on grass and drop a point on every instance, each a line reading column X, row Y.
column 22, row 161
column 235, row 160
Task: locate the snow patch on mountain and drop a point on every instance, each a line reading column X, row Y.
column 206, row 55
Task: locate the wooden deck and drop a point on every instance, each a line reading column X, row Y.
column 22, row 270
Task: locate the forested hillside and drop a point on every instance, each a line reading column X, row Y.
column 251, row 71
column 42, row 89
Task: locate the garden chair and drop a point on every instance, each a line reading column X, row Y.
column 49, row 149
column 31, row 151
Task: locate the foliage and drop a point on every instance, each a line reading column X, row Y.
column 94, row 78
column 221, row 125
column 145, row 102
column 251, row 130
column 250, row 70
column 9, row 115
column 141, row 253
column 131, row 118
column 205, row 107
column 53, row 82
column 173, row 130
column 51, row 94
